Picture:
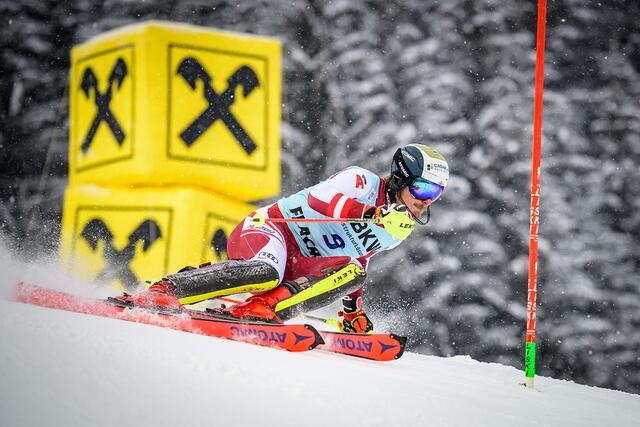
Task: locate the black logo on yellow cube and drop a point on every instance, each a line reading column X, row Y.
column 218, row 107
column 192, row 71
column 102, row 100
column 123, row 245
column 219, row 242
column 217, row 231
column 104, row 108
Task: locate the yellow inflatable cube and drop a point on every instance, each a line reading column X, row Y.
column 162, row 103
column 122, row 236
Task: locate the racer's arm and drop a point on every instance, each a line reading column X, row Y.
column 340, row 195
column 337, row 197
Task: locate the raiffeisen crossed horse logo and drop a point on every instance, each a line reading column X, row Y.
column 219, row 244
column 219, row 106
column 102, row 100
column 117, row 261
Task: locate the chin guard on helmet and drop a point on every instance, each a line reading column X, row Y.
column 421, row 222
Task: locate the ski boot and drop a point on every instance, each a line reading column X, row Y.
column 260, row 307
column 159, row 296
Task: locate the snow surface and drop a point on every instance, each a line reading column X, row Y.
column 69, row 369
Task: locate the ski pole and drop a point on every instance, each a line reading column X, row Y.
column 259, row 220
column 333, row 321
column 229, row 300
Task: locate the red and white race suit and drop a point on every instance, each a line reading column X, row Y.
column 300, row 249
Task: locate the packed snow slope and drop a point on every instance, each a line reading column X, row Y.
column 69, row 369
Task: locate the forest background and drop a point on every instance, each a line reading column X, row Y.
column 361, row 78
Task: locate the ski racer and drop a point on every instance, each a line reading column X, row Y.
column 295, row 267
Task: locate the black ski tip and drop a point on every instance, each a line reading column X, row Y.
column 318, row 338
column 119, row 302
column 402, row 341
column 155, row 310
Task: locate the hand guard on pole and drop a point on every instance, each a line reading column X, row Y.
column 353, row 318
column 395, row 219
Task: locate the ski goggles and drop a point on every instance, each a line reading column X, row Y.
column 422, row 189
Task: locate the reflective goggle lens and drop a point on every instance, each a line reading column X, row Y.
column 422, row 189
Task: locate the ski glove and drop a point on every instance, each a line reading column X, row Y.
column 354, row 318
column 394, row 218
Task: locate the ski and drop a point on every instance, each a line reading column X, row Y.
column 291, row 337
column 380, row 347
column 295, row 338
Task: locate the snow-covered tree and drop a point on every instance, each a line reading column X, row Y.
column 361, row 78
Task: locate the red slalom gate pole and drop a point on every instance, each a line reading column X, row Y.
column 534, row 219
